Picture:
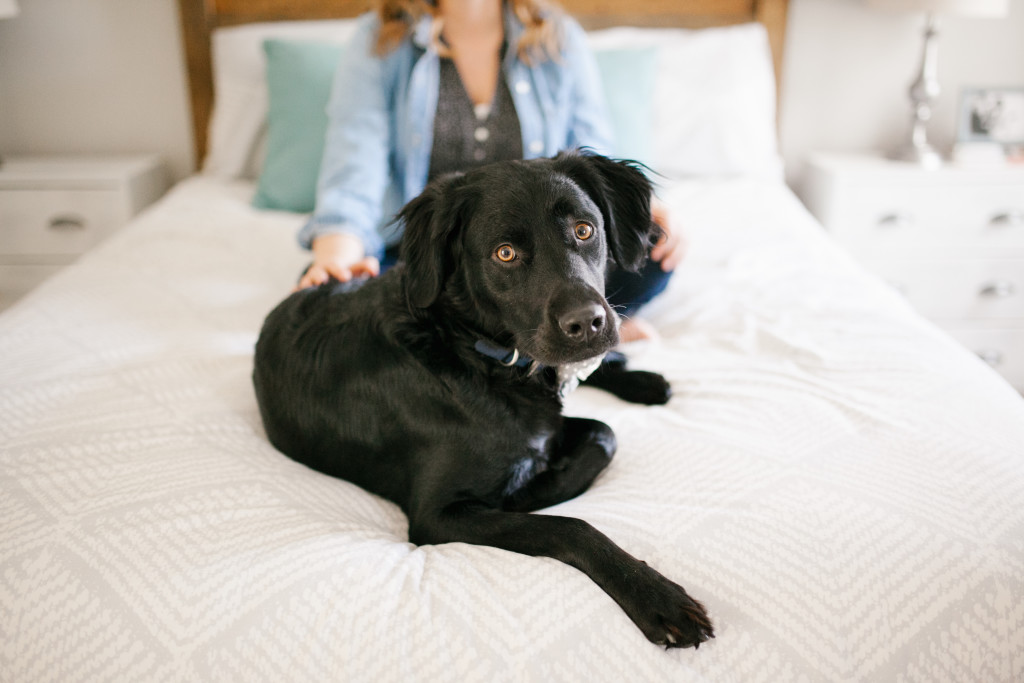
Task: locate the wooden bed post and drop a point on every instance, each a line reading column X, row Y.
column 196, row 34
column 772, row 14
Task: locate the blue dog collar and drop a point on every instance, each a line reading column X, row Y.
column 569, row 375
column 507, row 357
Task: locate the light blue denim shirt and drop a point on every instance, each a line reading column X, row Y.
column 381, row 123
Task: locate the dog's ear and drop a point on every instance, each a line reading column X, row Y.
column 623, row 195
column 432, row 221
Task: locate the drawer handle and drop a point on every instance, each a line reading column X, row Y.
column 1009, row 219
column 895, row 220
column 67, row 223
column 991, row 356
column 998, row 290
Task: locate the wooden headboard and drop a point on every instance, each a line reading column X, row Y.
column 199, row 18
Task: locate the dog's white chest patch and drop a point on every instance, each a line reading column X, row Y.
column 571, row 374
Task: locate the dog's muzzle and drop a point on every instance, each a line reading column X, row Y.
column 579, row 319
column 583, row 324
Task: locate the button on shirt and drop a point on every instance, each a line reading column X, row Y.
column 463, row 136
column 382, row 110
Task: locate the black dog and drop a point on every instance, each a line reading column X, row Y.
column 437, row 384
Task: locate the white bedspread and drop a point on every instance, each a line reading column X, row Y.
column 837, row 481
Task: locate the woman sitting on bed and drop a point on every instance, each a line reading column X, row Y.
column 427, row 89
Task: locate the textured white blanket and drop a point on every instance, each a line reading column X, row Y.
column 836, row 480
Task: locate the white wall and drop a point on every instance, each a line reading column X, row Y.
column 108, row 76
column 81, row 76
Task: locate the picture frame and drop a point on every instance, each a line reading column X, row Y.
column 992, row 115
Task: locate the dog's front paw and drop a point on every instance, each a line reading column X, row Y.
column 635, row 386
column 649, row 388
column 668, row 616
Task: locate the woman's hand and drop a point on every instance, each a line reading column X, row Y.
column 341, row 256
column 671, row 248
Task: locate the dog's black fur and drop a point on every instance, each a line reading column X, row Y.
column 381, row 385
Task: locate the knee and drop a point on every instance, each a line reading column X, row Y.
column 604, row 437
column 629, row 291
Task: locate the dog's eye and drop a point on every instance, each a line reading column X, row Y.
column 505, row 253
column 584, row 231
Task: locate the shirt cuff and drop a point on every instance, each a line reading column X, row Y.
column 327, row 225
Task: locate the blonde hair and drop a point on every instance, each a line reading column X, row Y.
column 539, row 42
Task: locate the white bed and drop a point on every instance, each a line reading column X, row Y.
column 835, row 479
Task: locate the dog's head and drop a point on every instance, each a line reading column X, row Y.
column 519, row 250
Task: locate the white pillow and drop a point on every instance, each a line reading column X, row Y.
column 714, row 99
column 238, row 126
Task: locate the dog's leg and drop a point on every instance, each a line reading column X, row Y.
column 660, row 608
column 584, row 450
column 635, row 386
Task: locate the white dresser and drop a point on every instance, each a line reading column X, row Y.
column 54, row 209
column 951, row 240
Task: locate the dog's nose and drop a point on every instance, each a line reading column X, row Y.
column 584, row 323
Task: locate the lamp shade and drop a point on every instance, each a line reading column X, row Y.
column 972, row 8
column 8, row 9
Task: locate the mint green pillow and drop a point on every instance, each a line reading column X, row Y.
column 299, row 77
column 627, row 76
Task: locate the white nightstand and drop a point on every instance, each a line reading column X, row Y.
column 54, row 209
column 951, row 240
